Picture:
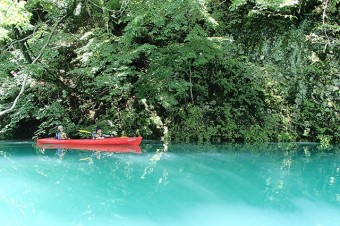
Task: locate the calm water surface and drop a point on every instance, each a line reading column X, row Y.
column 268, row 185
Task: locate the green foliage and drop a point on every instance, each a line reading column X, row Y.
column 324, row 141
column 226, row 123
column 9, row 126
column 13, row 13
column 285, row 137
column 255, row 134
column 210, row 71
column 51, row 117
column 315, row 102
column 191, row 126
column 265, row 4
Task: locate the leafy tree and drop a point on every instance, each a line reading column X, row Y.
column 212, row 70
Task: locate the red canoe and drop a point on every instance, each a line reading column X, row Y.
column 106, row 141
column 93, row 147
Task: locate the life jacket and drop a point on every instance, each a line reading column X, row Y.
column 61, row 136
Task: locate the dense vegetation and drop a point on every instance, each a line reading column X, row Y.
column 184, row 70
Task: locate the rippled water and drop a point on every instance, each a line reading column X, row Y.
column 276, row 184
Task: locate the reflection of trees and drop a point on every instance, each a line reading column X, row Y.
column 305, row 173
column 271, row 175
column 153, row 161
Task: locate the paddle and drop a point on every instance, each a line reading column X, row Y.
column 88, row 132
column 84, row 131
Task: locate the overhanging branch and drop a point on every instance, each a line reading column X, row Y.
column 23, row 85
column 324, row 15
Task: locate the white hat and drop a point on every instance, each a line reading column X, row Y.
column 60, row 127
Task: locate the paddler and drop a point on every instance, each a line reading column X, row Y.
column 61, row 135
column 98, row 134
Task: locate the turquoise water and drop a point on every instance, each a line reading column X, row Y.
column 291, row 184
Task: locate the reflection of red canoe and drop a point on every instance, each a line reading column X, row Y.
column 93, row 147
column 106, row 141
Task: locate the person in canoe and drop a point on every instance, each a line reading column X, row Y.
column 61, row 135
column 98, row 134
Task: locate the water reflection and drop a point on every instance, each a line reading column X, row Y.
column 91, row 147
column 274, row 184
column 95, row 150
column 152, row 163
column 60, row 152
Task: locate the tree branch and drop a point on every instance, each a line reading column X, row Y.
column 23, row 47
column 16, row 41
column 191, row 85
column 324, row 15
column 33, row 62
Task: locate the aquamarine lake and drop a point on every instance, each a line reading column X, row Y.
column 186, row 184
